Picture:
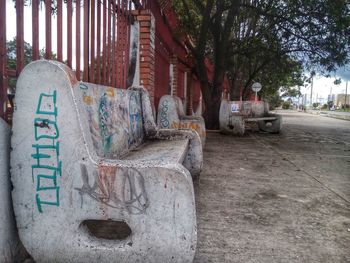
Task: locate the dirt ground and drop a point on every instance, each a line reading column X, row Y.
column 276, row 197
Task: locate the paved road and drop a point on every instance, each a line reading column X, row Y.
column 277, row 198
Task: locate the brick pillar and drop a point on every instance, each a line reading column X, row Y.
column 174, row 62
column 147, row 50
column 189, row 93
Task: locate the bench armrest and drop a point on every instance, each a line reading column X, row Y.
column 194, row 158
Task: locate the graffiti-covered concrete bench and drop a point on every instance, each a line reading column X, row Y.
column 94, row 179
column 235, row 115
column 171, row 115
column 9, row 242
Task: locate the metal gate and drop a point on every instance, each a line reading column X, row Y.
column 91, row 36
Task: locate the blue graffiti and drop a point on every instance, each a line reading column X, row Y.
column 105, row 118
column 135, row 116
column 164, row 122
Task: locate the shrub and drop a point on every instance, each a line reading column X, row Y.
column 286, row 105
column 324, row 106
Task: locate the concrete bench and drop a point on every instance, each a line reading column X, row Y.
column 171, row 116
column 235, row 115
column 94, row 179
column 9, row 241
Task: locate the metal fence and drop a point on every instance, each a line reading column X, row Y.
column 91, row 36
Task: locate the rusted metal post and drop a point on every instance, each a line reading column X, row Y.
column 109, row 48
column 98, row 47
column 104, row 37
column 115, row 16
column 59, row 31
column 35, row 29
column 3, row 80
column 77, row 38
column 92, row 42
column 20, row 36
column 86, row 40
column 69, row 32
column 48, row 50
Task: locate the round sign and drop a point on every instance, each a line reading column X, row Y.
column 256, row 87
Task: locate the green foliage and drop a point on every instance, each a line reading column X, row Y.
column 290, row 92
column 11, row 58
column 286, row 105
column 42, row 4
column 274, row 100
column 324, row 107
column 337, row 82
column 269, row 41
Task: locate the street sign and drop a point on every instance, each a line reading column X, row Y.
column 256, row 87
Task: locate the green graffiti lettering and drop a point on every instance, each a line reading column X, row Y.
column 50, row 98
column 40, row 202
column 46, row 132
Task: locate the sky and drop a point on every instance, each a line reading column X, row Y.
column 325, row 86
column 11, row 28
column 322, row 86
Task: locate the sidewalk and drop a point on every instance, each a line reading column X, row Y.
column 332, row 114
column 276, row 198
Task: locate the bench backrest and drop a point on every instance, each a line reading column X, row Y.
column 114, row 117
column 170, row 112
column 248, row 108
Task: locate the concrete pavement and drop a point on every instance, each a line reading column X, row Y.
column 277, row 198
column 333, row 114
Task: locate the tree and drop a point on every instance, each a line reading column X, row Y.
column 12, row 59
column 249, row 38
column 209, row 25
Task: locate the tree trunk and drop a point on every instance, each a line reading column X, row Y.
column 235, row 89
column 211, row 113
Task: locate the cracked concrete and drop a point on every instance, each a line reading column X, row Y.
column 276, row 197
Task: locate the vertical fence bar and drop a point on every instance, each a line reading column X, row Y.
column 121, row 38
column 48, row 49
column 3, row 86
column 104, row 49
column 98, row 55
column 109, row 48
column 20, row 36
column 69, row 32
column 113, row 42
column 127, row 37
column 128, row 32
column 35, row 29
column 77, row 38
column 92, row 42
column 48, row 37
column 59, row 30
column 86, row 40
column 116, row 52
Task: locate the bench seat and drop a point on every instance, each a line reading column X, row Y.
column 160, row 151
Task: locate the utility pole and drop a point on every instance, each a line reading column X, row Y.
column 330, row 99
column 312, row 86
column 346, row 94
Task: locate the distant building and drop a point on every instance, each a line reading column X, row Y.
column 340, row 100
column 331, row 98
